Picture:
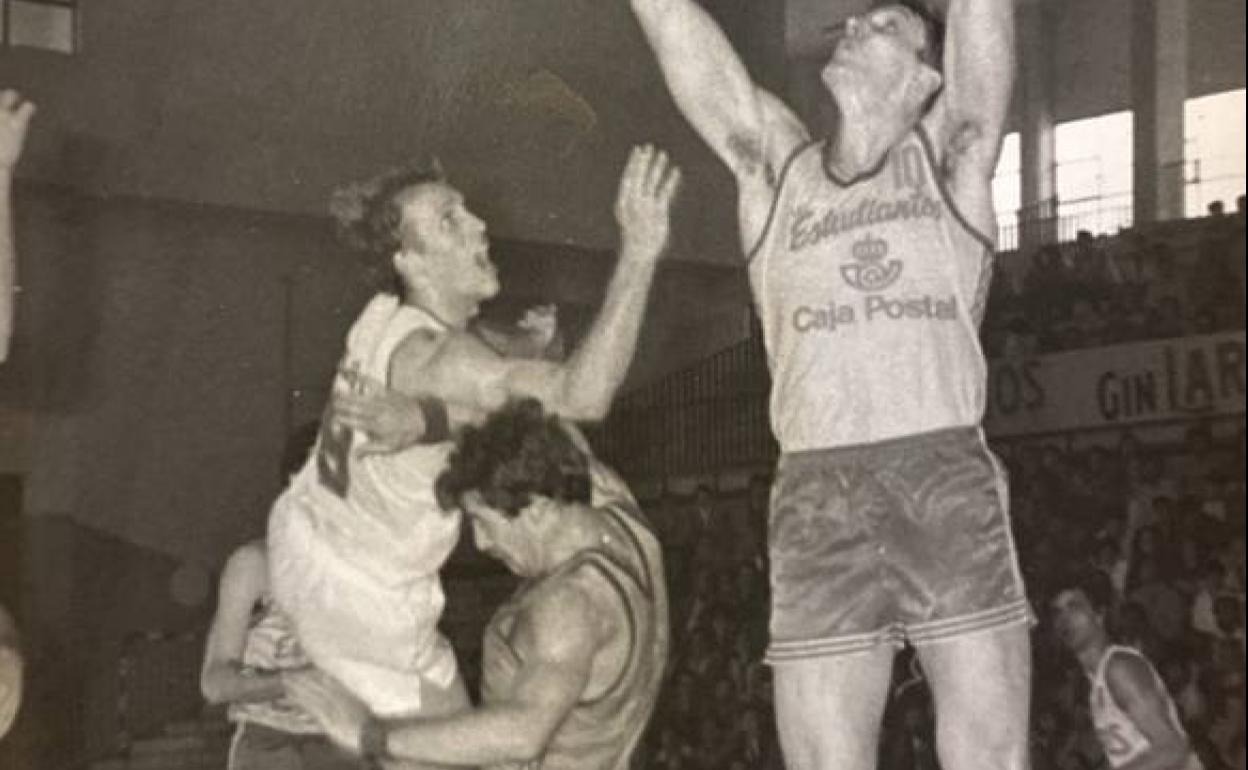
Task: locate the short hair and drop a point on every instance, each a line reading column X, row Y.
column 368, row 215
column 519, row 452
column 933, row 53
column 1092, row 582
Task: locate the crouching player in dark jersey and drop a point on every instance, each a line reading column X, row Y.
column 574, row 660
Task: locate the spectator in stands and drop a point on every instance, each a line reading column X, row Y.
column 1166, row 320
column 1226, row 733
column 1226, row 643
column 1179, row 671
column 1209, row 586
column 1162, row 602
column 1134, row 629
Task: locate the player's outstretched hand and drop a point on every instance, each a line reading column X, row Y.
column 15, row 114
column 643, row 206
column 540, row 323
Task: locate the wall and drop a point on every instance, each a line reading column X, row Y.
column 267, row 106
column 84, row 592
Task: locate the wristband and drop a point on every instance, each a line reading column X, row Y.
column 374, row 738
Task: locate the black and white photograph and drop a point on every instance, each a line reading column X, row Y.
column 622, row 384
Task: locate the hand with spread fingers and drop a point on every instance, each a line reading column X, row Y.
column 15, row 115
column 643, row 205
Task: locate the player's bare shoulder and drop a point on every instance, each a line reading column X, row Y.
column 410, row 370
column 583, row 599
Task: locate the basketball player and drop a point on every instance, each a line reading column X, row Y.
column 15, row 116
column 869, row 263
column 250, row 646
column 356, row 542
column 573, row 661
column 1136, row 721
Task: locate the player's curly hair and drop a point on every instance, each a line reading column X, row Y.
column 368, row 214
column 519, row 452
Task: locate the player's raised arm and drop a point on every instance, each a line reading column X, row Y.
column 747, row 127
column 466, row 371
column 15, row 115
column 979, row 61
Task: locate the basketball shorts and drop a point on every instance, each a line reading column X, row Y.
column 906, row 540
column 257, row 747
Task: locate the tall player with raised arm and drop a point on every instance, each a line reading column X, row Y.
column 869, row 264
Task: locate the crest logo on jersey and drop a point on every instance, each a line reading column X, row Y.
column 870, row 271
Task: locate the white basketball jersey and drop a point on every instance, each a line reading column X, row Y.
column 356, row 542
column 1119, row 736
column 870, row 292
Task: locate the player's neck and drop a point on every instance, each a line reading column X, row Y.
column 454, row 311
column 579, row 530
column 1091, row 654
column 868, row 129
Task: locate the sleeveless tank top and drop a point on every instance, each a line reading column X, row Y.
column 870, row 294
column 356, row 543
column 602, row 731
column 1119, row 736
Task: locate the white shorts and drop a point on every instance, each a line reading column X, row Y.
column 378, row 638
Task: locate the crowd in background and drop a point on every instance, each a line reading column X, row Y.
column 1165, row 522
column 1108, row 291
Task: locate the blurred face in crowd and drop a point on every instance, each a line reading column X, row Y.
column 1229, row 612
column 1075, row 622
column 702, row 499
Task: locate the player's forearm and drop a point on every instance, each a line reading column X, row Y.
column 487, row 736
column 596, row 370
column 707, row 79
column 229, row 683
column 980, row 58
column 8, row 262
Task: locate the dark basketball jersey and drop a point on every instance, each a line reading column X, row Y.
column 601, row 732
